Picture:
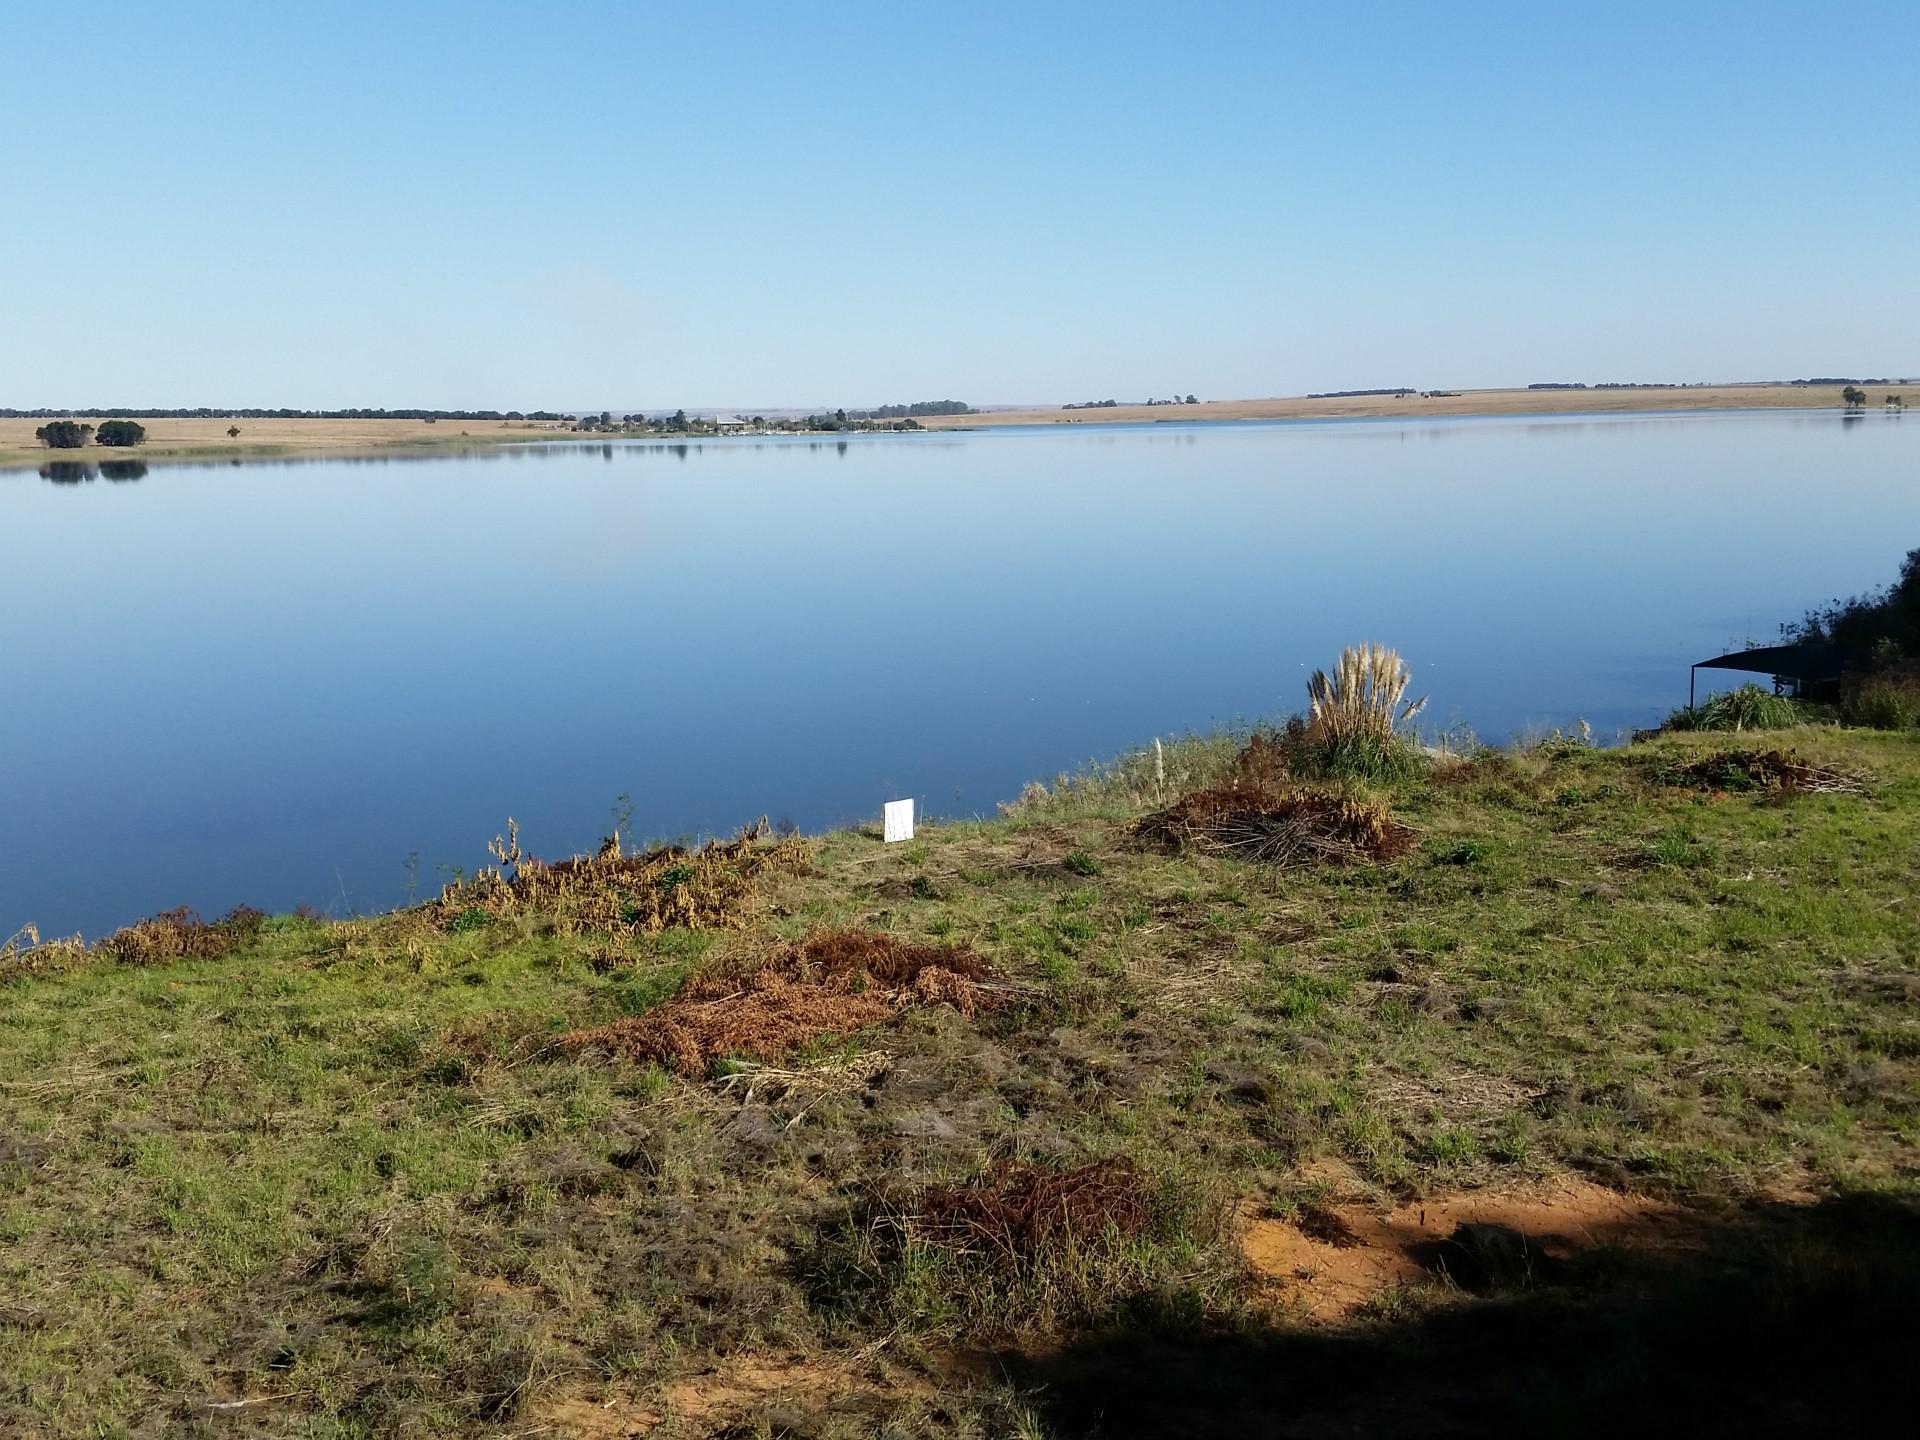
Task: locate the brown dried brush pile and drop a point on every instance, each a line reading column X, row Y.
column 181, row 934
column 832, row 983
column 1778, row 771
column 1014, row 1211
column 708, row 888
column 1280, row 822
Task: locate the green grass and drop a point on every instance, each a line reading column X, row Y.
column 343, row 1166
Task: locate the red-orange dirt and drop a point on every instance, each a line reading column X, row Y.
column 1333, row 1260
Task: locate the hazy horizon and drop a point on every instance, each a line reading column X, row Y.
column 447, row 206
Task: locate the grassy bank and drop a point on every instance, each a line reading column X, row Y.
column 393, row 1177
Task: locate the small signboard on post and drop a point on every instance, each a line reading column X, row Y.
column 899, row 820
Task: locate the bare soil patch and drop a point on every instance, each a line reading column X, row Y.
column 830, row 984
column 713, row 1403
column 1333, row 1260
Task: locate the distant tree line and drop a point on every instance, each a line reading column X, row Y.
column 205, row 412
column 680, row 423
column 917, row 408
column 1114, row 404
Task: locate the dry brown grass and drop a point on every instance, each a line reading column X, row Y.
column 708, row 888
column 1015, row 1211
column 180, row 934
column 201, row 437
column 1280, row 823
column 830, row 984
column 1769, row 770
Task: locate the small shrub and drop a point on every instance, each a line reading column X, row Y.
column 181, row 934
column 1467, row 852
column 1884, row 702
column 1747, row 708
column 1081, row 863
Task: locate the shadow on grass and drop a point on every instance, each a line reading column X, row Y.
column 1795, row 1320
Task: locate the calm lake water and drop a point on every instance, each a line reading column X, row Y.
column 273, row 682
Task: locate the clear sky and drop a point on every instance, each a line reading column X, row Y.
column 622, row 204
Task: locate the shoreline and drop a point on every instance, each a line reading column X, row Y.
column 1436, row 405
column 204, row 440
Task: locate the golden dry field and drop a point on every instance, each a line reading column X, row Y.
column 204, row 438
column 1467, row 402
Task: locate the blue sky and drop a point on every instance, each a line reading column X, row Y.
column 626, row 205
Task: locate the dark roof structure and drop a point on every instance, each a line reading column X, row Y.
column 1814, row 666
column 1803, row 660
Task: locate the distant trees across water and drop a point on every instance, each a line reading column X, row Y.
column 1114, row 404
column 917, row 409
column 64, row 435
column 72, row 435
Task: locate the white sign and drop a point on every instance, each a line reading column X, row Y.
column 899, row 817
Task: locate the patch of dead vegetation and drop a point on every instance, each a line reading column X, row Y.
column 1280, row 822
column 830, row 984
column 1332, row 1261
column 712, row 887
column 180, row 934
column 1770, row 771
column 1017, row 1211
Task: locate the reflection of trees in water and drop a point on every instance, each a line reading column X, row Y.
column 72, row 472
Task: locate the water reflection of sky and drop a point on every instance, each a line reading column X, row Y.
column 271, row 681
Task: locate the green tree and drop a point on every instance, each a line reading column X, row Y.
column 120, row 432
column 63, row 434
column 233, row 432
column 1853, row 396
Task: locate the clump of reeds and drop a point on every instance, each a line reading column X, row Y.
column 1747, row 708
column 1366, row 695
column 1355, row 719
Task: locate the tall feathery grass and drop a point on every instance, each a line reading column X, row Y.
column 1356, row 719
